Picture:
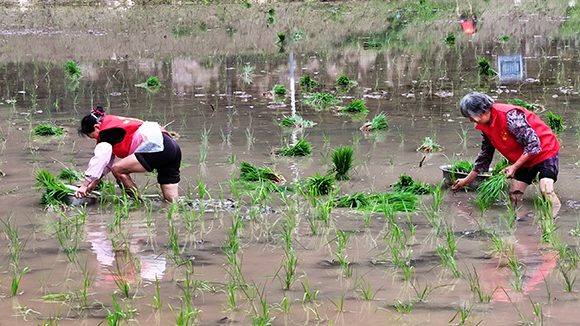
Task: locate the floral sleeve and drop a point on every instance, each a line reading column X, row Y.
column 485, row 156
column 519, row 127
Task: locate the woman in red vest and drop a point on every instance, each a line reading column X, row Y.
column 523, row 138
column 141, row 146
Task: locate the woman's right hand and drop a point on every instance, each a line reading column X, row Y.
column 459, row 183
column 81, row 192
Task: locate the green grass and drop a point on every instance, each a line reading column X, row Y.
column 302, row 148
column 48, row 130
column 342, row 158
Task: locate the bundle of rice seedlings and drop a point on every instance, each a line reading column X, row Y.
column 248, row 172
column 429, row 145
column 356, row 106
column 357, row 200
column 462, row 166
column 48, row 130
column 321, row 100
column 308, row 83
column 398, row 202
column 55, row 191
column 554, row 122
column 521, row 103
column 319, row 185
column 342, row 160
column 379, row 122
column 450, row 40
column 504, row 163
column 344, row 82
column 296, row 121
column 485, row 68
column 72, row 70
column 279, row 90
column 302, row 148
column 70, row 175
column 407, row 184
column 152, row 84
column 491, row 189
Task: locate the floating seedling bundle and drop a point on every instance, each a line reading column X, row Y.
column 55, row 191
column 490, row 191
column 248, row 172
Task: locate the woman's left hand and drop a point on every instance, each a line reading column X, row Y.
column 510, row 171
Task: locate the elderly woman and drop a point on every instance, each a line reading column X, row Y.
column 523, row 138
column 141, row 146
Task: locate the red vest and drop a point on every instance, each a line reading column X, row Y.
column 499, row 135
column 130, row 125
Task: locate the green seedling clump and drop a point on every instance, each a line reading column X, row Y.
column 395, row 202
column 485, row 68
column 279, row 90
column 356, row 106
column 462, row 166
column 55, row 191
column 429, row 145
column 379, row 122
column 450, row 40
column 407, row 184
column 281, row 38
column 48, row 130
column 343, row 81
column 72, row 70
column 308, row 83
column 248, row 172
column 521, row 103
column 302, row 148
column 554, row 122
column 70, row 175
column 357, row 200
column 491, row 189
column 319, row 185
column 504, row 163
column 342, row 160
column 296, row 122
column 153, row 81
column 321, row 100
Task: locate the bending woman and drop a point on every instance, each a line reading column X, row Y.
column 522, row 137
column 141, row 146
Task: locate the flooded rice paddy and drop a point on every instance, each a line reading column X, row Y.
column 238, row 254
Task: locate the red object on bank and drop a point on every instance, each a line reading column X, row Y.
column 468, row 27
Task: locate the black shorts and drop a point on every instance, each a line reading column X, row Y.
column 166, row 162
column 546, row 169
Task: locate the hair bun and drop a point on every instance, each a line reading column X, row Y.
column 98, row 110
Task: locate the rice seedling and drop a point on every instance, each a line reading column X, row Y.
column 462, row 166
column 447, row 253
column 17, row 277
column 296, row 121
column 394, row 202
column 517, row 282
column 279, row 90
column 567, row 270
column 307, row 83
column 289, row 276
column 341, row 243
column 485, row 68
column 72, row 70
column 152, row 81
column 114, row 318
column 309, row 294
column 250, row 173
column 407, row 184
column 429, row 145
column 55, row 191
column 502, row 164
column 70, row 175
column 321, row 100
column 475, row 286
column 523, row 104
column 48, row 130
column 342, row 158
column 425, row 292
column 356, row 106
column 318, row 185
column 343, row 83
column 463, row 312
column 271, row 20
column 364, row 287
column 339, row 302
column 302, row 148
column 261, row 313
column 401, row 307
column 554, row 122
column 491, row 190
column 68, row 232
column 247, row 75
column 450, row 40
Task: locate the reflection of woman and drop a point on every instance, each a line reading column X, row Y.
column 141, row 146
column 523, row 138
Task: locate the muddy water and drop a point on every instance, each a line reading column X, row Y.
column 199, row 53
